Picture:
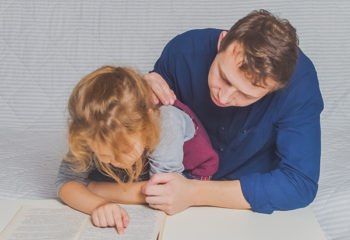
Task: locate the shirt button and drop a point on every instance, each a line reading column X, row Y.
column 221, row 149
column 222, row 128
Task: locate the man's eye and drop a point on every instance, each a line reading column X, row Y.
column 106, row 158
column 247, row 96
column 226, row 81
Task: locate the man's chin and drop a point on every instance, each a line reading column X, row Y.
column 216, row 102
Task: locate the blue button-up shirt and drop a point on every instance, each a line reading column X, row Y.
column 273, row 145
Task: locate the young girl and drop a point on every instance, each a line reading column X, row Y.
column 116, row 134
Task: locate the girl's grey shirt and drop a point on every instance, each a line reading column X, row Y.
column 176, row 127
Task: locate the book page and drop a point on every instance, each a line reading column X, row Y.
column 35, row 223
column 145, row 224
column 63, row 222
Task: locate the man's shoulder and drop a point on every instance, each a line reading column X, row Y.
column 305, row 75
column 195, row 34
column 194, row 40
column 304, row 63
column 302, row 89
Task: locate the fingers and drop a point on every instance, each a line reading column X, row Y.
column 160, row 89
column 163, row 92
column 166, row 192
column 173, row 95
column 125, row 217
column 155, row 206
column 111, row 215
column 110, row 218
column 165, row 208
column 121, row 219
column 167, row 95
column 157, row 185
column 157, row 200
column 155, row 99
column 162, row 178
column 98, row 218
column 95, row 219
column 119, row 224
column 153, row 189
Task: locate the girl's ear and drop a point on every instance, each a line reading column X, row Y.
column 150, row 112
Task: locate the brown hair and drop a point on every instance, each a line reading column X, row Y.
column 270, row 47
column 107, row 106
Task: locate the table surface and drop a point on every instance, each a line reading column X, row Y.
column 214, row 223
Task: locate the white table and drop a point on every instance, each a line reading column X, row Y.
column 214, row 223
column 219, row 223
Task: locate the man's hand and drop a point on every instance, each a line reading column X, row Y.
column 111, row 215
column 169, row 192
column 160, row 88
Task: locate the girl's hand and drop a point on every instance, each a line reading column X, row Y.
column 111, row 215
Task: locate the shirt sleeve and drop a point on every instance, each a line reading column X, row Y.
column 176, row 128
column 67, row 174
column 293, row 184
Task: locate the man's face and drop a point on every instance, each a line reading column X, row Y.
column 228, row 85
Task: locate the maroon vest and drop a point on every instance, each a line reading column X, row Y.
column 200, row 159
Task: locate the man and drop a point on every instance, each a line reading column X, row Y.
column 258, row 97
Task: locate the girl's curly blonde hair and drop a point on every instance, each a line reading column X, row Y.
column 107, row 106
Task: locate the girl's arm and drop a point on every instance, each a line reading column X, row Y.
column 167, row 157
column 114, row 192
column 71, row 187
column 79, row 197
column 103, row 213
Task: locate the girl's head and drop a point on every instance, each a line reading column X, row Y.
column 112, row 116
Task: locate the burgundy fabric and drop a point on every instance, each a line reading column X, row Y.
column 200, row 159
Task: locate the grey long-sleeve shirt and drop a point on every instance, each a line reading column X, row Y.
column 176, row 128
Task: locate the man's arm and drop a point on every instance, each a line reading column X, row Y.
column 230, row 193
column 173, row 193
column 292, row 185
column 294, row 182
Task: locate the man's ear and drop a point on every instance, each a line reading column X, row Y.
column 222, row 35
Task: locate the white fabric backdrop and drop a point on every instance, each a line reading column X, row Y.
column 47, row 46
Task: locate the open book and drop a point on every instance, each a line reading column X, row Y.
column 62, row 222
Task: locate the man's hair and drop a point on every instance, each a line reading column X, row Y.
column 107, row 106
column 270, row 47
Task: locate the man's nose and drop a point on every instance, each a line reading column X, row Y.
column 225, row 95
